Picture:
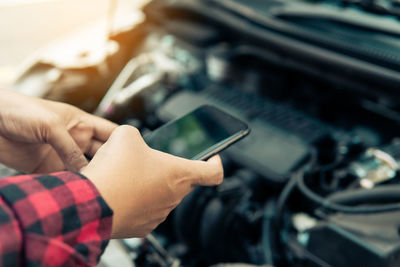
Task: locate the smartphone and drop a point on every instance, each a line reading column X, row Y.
column 199, row 134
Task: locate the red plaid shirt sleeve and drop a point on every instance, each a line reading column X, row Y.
column 58, row 219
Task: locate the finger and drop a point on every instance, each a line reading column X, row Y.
column 102, row 128
column 82, row 134
column 93, row 147
column 50, row 163
column 215, row 160
column 209, row 172
column 67, row 149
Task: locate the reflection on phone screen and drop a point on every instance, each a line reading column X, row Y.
column 194, row 133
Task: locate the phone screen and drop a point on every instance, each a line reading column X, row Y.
column 201, row 132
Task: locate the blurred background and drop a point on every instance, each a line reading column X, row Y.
column 316, row 80
column 26, row 26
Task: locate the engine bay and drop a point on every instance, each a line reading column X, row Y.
column 316, row 183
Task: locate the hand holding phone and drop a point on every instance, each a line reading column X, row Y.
column 140, row 194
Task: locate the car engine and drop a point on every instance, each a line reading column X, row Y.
column 316, row 183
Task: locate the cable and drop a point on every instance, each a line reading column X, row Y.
column 283, row 198
column 291, row 186
column 279, row 222
column 328, row 204
column 385, row 193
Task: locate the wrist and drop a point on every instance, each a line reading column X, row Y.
column 105, row 191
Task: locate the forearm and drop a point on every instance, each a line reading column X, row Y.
column 61, row 218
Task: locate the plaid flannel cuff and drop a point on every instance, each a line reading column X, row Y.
column 11, row 237
column 62, row 216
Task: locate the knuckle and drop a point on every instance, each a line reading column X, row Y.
column 53, row 122
column 120, row 129
column 74, row 156
column 50, row 127
column 174, row 203
column 127, row 130
column 171, row 202
column 163, row 219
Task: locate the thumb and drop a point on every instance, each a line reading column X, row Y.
column 210, row 172
column 67, row 149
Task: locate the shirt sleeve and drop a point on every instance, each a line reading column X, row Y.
column 58, row 219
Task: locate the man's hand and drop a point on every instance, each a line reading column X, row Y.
column 37, row 135
column 140, row 184
column 143, row 185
